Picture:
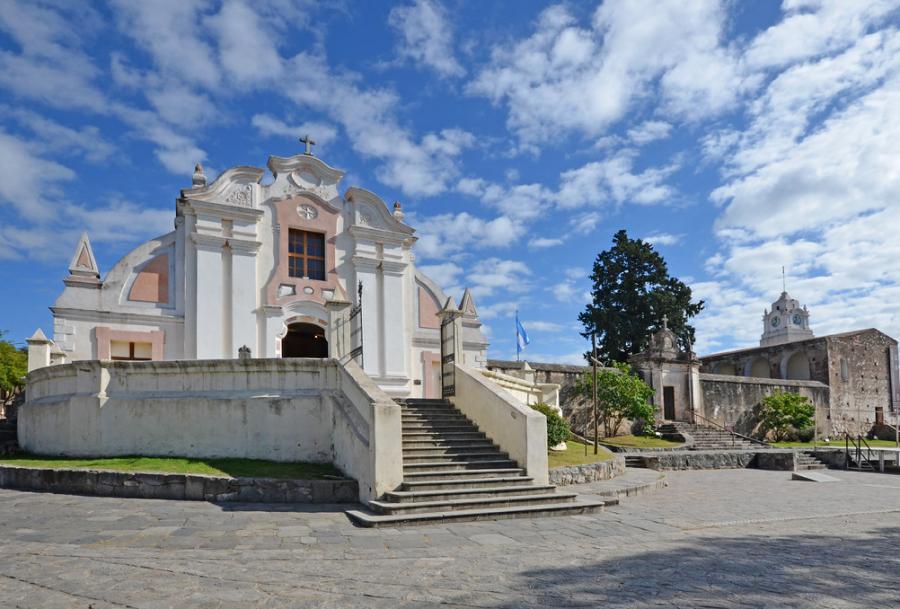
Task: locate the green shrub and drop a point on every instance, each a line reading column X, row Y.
column 557, row 428
column 806, row 434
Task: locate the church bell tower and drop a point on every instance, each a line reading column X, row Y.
column 787, row 322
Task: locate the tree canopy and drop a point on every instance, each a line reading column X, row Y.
column 621, row 395
column 783, row 412
column 631, row 292
column 13, row 368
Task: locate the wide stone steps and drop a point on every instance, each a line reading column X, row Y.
column 809, row 461
column 453, row 472
column 469, row 503
column 447, row 473
column 466, row 483
column 477, row 492
column 708, row 438
column 437, row 517
column 430, row 454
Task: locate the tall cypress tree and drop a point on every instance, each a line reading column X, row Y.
column 632, row 291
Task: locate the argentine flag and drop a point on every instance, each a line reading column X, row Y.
column 521, row 336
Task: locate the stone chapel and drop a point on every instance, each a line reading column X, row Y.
column 285, row 266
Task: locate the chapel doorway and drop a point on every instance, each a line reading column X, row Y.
column 304, row 340
column 669, row 403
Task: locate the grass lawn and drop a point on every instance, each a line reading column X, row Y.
column 574, row 455
column 834, row 443
column 641, row 442
column 234, row 468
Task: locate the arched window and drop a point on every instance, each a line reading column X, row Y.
column 760, row 368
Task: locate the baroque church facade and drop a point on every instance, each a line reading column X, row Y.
column 281, row 265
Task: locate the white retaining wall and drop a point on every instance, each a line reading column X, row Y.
column 516, row 428
column 278, row 409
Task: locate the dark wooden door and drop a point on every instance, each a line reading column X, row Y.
column 669, row 403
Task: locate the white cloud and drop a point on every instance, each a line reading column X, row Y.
column 29, row 182
column 269, row 126
column 663, row 238
column 168, row 31
column 493, row 275
column 544, row 242
column 419, row 168
column 570, row 78
column 445, row 274
column 446, row 234
column 544, row 326
column 813, row 28
column 649, row 131
column 426, row 36
column 613, row 181
column 54, row 137
column 247, row 49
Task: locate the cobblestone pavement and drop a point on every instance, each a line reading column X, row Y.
column 715, row 539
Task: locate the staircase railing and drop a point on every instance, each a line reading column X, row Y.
column 734, row 434
column 854, row 452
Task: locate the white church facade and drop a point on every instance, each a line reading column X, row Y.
column 278, row 264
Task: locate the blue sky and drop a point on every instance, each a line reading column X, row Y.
column 737, row 137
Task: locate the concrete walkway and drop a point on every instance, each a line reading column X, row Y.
column 731, row 538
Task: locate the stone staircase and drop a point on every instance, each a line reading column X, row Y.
column 808, row 460
column 454, row 472
column 708, row 438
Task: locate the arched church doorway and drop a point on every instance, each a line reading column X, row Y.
column 304, row 340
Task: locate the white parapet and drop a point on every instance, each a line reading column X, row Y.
column 518, row 429
column 313, row 410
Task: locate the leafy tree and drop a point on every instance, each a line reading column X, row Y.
column 632, row 291
column 783, row 412
column 557, row 428
column 621, row 394
column 13, row 368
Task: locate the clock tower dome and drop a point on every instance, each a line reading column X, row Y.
column 785, row 323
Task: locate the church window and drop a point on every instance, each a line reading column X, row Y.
column 120, row 350
column 306, row 254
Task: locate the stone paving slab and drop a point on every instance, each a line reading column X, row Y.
column 729, row 538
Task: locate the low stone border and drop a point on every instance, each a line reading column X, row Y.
column 590, row 472
column 188, row 487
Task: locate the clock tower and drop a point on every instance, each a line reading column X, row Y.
column 787, row 322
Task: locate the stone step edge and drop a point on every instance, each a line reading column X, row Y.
column 412, row 496
column 473, row 501
column 374, row 520
column 445, row 464
column 412, row 476
column 456, row 481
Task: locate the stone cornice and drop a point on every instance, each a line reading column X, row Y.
column 222, row 210
column 238, row 245
column 380, row 234
column 122, row 317
column 366, row 263
column 391, row 267
column 208, row 241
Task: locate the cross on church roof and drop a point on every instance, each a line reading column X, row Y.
column 665, row 322
column 309, row 144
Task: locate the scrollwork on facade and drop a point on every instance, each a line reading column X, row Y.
column 240, row 196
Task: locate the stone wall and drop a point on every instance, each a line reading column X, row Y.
column 591, row 472
column 860, row 377
column 733, row 400
column 721, row 459
column 177, row 486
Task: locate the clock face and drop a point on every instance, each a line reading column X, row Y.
column 775, row 321
column 797, row 319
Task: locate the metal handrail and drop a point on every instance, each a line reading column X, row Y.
column 858, row 444
column 731, row 431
